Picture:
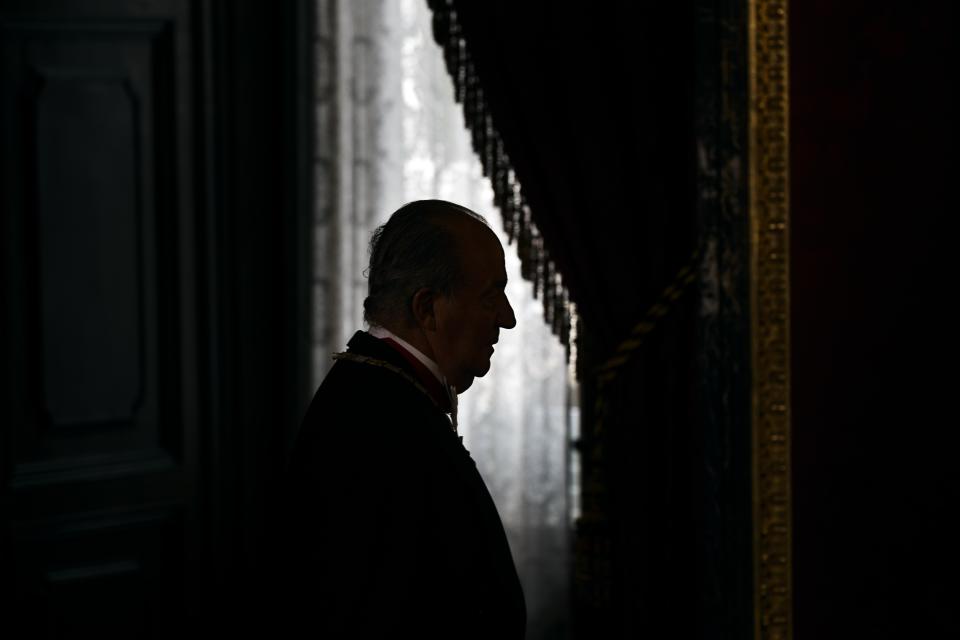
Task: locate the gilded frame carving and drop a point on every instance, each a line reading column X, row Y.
column 770, row 317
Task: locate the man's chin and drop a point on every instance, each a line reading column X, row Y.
column 483, row 370
column 479, row 372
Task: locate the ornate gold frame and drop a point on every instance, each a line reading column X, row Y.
column 770, row 317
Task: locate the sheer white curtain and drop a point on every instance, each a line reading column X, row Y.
column 385, row 99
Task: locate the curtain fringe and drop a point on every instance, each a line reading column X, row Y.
column 559, row 311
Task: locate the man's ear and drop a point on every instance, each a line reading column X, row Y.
column 423, row 309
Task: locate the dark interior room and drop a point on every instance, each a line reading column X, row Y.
column 728, row 223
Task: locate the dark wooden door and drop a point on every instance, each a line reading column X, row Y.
column 150, row 309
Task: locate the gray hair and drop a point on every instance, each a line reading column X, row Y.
column 415, row 248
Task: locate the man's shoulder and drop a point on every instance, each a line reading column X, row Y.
column 365, row 387
column 369, row 368
column 369, row 398
column 367, row 384
column 367, row 416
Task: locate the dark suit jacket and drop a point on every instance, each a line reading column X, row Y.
column 388, row 528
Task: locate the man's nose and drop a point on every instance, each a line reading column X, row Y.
column 507, row 319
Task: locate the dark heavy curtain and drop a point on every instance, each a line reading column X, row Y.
column 623, row 123
column 594, row 106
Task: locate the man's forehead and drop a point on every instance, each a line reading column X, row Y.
column 481, row 254
column 472, row 235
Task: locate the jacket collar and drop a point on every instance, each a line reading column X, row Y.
column 385, row 334
column 393, row 352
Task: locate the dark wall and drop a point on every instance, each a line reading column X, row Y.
column 871, row 134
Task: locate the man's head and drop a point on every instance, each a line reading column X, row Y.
column 437, row 279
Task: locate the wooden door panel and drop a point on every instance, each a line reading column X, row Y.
column 154, row 348
column 99, row 466
column 84, row 104
column 115, row 574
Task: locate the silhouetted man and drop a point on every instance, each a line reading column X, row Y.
column 390, row 529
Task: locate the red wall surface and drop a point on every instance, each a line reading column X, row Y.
column 871, row 135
